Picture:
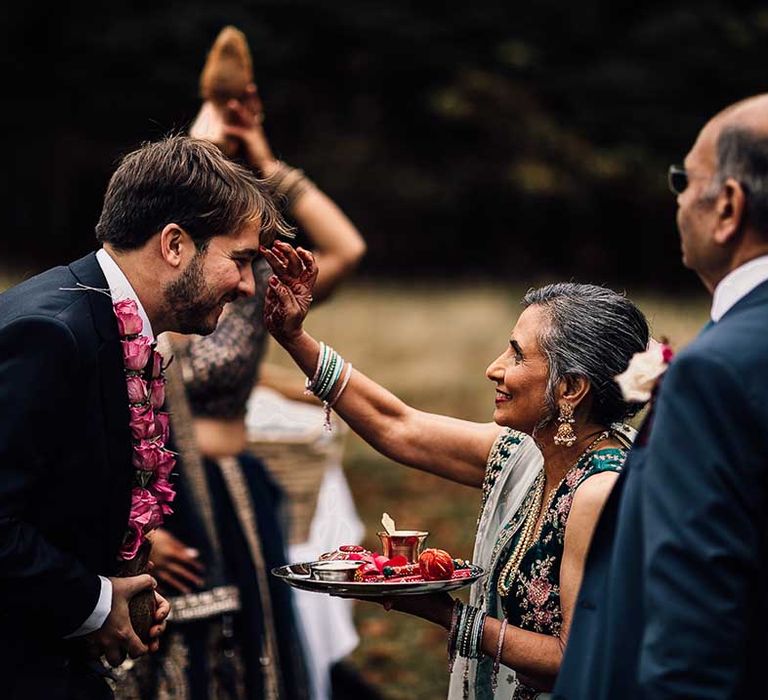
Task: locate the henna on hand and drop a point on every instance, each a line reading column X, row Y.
column 289, row 292
column 283, row 313
column 294, row 267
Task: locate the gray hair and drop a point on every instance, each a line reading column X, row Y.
column 593, row 332
column 743, row 155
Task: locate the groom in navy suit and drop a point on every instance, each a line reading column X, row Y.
column 180, row 227
column 673, row 602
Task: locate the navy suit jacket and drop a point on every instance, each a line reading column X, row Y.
column 65, row 468
column 673, row 602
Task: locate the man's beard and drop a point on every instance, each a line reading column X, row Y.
column 190, row 302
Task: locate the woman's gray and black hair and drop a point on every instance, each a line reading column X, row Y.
column 187, row 182
column 592, row 332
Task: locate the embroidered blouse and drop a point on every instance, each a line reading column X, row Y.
column 533, row 601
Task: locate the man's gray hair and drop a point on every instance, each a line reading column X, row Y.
column 592, row 332
column 742, row 155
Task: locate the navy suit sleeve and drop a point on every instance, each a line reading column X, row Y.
column 703, row 510
column 40, row 584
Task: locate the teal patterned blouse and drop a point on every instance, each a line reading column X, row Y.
column 533, row 602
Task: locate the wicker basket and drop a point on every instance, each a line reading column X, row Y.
column 290, row 438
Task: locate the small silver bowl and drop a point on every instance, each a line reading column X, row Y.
column 335, row 570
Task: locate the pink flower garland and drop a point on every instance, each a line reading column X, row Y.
column 145, row 382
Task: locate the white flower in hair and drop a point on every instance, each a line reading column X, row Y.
column 638, row 381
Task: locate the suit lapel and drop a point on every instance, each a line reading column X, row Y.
column 88, row 272
column 114, row 403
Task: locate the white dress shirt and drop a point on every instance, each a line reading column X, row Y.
column 121, row 289
column 737, row 284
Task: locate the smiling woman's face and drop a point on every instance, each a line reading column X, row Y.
column 520, row 374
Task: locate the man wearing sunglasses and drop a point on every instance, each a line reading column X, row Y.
column 673, row 601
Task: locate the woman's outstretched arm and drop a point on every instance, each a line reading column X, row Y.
column 449, row 447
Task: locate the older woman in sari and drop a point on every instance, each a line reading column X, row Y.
column 546, row 464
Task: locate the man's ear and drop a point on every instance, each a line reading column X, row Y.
column 176, row 245
column 731, row 208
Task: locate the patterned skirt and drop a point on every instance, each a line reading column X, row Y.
column 215, row 650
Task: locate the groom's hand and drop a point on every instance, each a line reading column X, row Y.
column 161, row 614
column 116, row 638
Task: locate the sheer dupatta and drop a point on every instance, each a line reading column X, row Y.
column 513, row 464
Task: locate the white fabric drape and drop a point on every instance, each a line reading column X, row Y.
column 325, row 623
column 506, row 497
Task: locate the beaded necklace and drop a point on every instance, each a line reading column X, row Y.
column 527, row 535
column 511, row 527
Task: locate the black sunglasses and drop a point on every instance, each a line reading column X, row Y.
column 677, row 178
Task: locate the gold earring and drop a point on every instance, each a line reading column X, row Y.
column 565, row 434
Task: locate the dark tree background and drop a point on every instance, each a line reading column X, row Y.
column 486, row 138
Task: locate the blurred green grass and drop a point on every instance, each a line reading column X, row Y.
column 430, row 345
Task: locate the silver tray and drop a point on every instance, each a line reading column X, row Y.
column 297, row 575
